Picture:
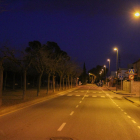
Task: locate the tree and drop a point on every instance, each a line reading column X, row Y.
column 5, row 53
column 34, row 51
column 84, row 75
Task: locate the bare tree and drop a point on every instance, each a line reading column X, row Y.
column 5, row 53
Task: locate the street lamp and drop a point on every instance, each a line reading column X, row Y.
column 137, row 14
column 109, row 65
column 116, row 49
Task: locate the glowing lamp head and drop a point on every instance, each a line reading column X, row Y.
column 108, row 59
column 137, row 14
column 115, row 49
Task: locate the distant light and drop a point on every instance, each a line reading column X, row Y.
column 137, row 14
column 104, row 65
column 115, row 49
column 108, row 59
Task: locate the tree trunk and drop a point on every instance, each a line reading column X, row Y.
column 39, row 84
column 48, row 83
column 68, row 82
column 53, row 83
column 24, row 84
column 21, row 80
column 63, row 83
column 5, row 80
column 60, row 82
column 14, row 80
column 71, row 81
column 1, row 82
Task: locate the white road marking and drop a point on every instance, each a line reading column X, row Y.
column 103, row 96
column 86, row 95
column 71, row 113
column 69, row 95
column 128, row 116
column 94, row 96
column 125, row 113
column 80, row 102
column 139, row 127
column 77, row 95
column 121, row 109
column 77, row 106
column 61, row 94
column 61, row 127
column 133, row 121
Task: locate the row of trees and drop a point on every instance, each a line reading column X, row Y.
column 40, row 59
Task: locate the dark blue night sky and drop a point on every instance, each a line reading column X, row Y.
column 87, row 30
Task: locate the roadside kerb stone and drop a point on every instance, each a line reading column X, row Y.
column 16, row 107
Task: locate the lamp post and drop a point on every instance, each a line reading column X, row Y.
column 116, row 49
column 105, row 73
column 109, row 65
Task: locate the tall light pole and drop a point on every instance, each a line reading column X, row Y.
column 105, row 74
column 109, row 65
column 116, row 49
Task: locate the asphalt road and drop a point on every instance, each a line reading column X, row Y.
column 87, row 113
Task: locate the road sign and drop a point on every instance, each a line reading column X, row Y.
column 121, row 77
column 131, row 77
column 131, row 71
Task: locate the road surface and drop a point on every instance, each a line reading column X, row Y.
column 87, row 113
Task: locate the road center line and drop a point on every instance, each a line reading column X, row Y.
column 139, row 127
column 77, row 106
column 125, row 113
column 61, row 127
column 133, row 121
column 128, row 116
column 80, row 102
column 71, row 113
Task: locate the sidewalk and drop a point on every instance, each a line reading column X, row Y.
column 132, row 97
column 12, row 100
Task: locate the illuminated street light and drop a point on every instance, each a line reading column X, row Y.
column 109, row 65
column 116, row 49
column 137, row 14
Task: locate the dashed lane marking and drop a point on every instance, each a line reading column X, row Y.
column 77, row 106
column 133, row 121
column 69, row 95
column 103, row 96
column 86, row 95
column 129, row 117
column 71, row 113
column 80, row 102
column 61, row 127
column 94, row 96
column 77, row 95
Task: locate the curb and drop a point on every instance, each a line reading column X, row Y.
column 16, row 107
column 138, row 105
